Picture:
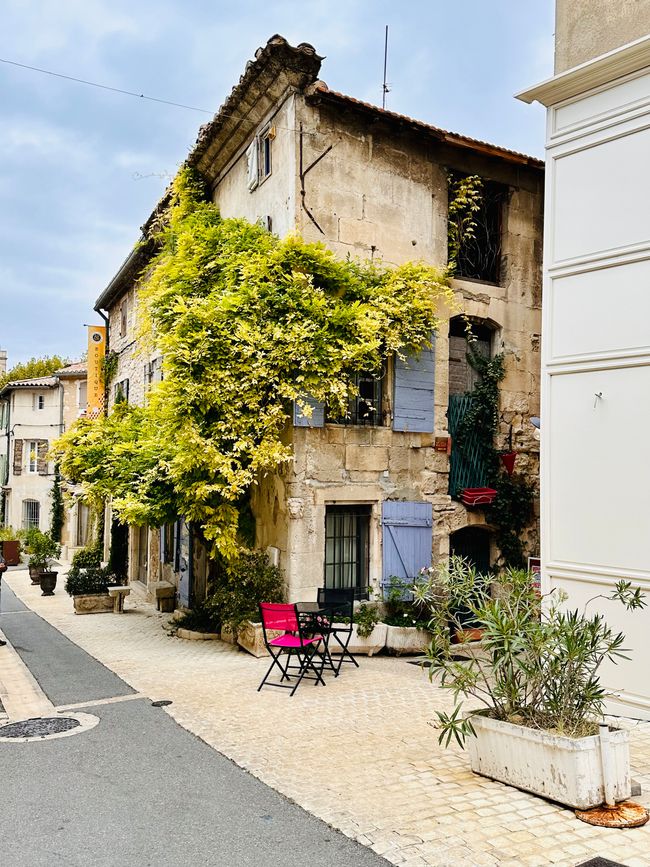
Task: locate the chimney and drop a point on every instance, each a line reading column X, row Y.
column 3, row 361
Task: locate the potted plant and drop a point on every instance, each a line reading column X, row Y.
column 406, row 619
column 238, row 588
column 368, row 632
column 43, row 551
column 87, row 582
column 536, row 676
column 9, row 546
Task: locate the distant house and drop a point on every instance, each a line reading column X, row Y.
column 371, row 495
column 33, row 413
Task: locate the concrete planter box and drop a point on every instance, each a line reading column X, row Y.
column 375, row 642
column 228, row 635
column 92, row 603
column 251, row 638
column 191, row 635
column 566, row 770
column 407, row 639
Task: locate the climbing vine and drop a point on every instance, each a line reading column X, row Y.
column 246, row 323
column 465, row 200
column 511, row 510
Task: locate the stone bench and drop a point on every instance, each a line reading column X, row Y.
column 118, row 595
column 165, row 596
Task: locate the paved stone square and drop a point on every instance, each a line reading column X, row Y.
column 361, row 753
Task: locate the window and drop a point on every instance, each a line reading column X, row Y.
column 347, row 533
column 32, row 456
column 478, row 255
column 123, row 319
column 121, row 392
column 31, row 514
column 365, row 407
column 82, row 395
column 168, row 543
column 83, row 525
column 258, row 157
column 39, row 401
column 153, row 372
column 463, row 336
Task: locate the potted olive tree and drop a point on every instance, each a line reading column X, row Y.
column 43, row 551
column 535, row 676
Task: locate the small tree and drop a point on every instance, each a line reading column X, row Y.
column 57, row 510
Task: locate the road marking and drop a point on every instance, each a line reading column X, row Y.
column 97, row 702
column 20, row 694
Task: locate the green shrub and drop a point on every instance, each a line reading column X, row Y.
column 86, row 575
column 8, row 534
column 241, row 584
column 202, row 618
column 401, row 608
column 43, row 549
column 366, row 617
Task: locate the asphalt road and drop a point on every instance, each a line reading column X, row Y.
column 138, row 789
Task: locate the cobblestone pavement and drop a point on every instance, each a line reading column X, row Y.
column 360, row 754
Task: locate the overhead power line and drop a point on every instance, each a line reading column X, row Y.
column 104, row 86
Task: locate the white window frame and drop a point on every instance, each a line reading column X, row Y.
column 39, row 401
column 32, row 456
column 259, row 157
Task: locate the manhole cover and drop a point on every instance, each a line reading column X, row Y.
column 39, row 727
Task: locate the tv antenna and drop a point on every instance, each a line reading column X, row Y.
column 385, row 89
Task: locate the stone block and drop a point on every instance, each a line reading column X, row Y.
column 366, row 458
column 165, row 594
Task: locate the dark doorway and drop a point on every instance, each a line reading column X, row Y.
column 118, row 560
column 472, row 543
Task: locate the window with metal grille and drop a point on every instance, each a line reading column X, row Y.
column 31, row 514
column 347, row 549
column 479, row 255
column 365, row 407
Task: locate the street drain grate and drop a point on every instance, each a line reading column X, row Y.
column 600, row 862
column 39, row 727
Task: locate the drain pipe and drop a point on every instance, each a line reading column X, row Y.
column 607, row 760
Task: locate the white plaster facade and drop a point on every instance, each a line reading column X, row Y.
column 33, row 413
column 596, row 344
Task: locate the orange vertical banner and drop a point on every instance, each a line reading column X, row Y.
column 96, row 354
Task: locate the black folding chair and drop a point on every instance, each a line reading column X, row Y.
column 292, row 643
column 340, row 603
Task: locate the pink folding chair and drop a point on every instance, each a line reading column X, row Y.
column 293, row 643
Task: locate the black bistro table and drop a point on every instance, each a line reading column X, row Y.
column 316, row 619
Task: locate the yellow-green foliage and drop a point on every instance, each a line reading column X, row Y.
column 246, row 323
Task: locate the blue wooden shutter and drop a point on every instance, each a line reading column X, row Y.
column 413, row 402
column 317, row 418
column 184, row 564
column 406, row 539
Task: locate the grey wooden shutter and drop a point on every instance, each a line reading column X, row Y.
column 18, row 457
column 413, row 400
column 317, row 418
column 406, row 539
column 41, row 457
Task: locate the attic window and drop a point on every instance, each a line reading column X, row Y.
column 475, row 234
column 258, row 157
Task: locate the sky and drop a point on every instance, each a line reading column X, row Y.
column 81, row 168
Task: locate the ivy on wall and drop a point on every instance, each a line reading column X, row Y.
column 246, row 323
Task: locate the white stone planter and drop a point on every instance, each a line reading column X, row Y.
column 192, row 635
column 566, row 770
column 406, row 639
column 251, row 638
column 375, row 642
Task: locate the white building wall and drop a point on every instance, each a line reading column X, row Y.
column 28, row 423
column 596, row 352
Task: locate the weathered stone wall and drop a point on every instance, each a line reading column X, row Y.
column 585, row 29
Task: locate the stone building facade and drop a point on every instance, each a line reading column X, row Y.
column 286, row 151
